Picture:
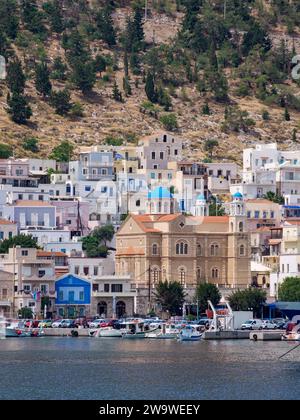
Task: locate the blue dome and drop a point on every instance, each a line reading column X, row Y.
column 159, row 193
column 201, row 198
column 237, row 195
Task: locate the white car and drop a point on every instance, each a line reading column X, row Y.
column 57, row 323
column 269, row 325
column 252, row 324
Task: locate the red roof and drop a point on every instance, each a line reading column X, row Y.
column 50, row 254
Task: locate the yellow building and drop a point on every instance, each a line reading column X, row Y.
column 191, row 250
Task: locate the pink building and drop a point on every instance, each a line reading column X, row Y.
column 72, row 215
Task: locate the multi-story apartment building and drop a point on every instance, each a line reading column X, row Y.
column 34, row 275
column 157, row 150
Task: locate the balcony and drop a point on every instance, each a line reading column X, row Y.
column 4, row 302
column 124, row 294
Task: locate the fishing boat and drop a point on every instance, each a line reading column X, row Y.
column 106, row 332
column 135, row 329
column 189, row 333
column 165, row 332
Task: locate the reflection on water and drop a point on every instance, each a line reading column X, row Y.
column 86, row 368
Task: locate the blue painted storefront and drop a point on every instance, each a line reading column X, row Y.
column 72, row 296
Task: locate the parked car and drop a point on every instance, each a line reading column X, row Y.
column 57, row 323
column 100, row 323
column 268, row 324
column 252, row 324
column 46, row 323
column 281, row 323
column 68, row 323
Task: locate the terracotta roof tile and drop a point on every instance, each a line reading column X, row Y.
column 50, row 254
column 131, row 251
column 6, row 222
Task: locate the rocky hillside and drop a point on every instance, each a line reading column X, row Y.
column 181, row 47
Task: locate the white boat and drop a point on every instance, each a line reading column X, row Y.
column 189, row 333
column 165, row 332
column 293, row 335
column 107, row 332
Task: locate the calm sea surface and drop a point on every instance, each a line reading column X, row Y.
column 87, row 368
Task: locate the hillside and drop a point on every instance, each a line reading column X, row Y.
column 258, row 80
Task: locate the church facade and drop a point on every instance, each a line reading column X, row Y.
column 188, row 249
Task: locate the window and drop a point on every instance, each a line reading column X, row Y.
column 265, row 215
column 86, row 271
column 20, row 196
column 42, row 273
column 138, row 203
column 87, row 188
column 81, row 296
column 27, row 288
column 76, row 269
column 61, row 295
column 106, row 288
column 96, row 269
column 199, row 250
column 161, row 155
column 44, row 288
column 4, row 293
column 95, row 287
column 181, row 248
column 248, row 214
column 24, row 253
column 256, row 214
column 71, row 296
column 242, row 250
column 272, row 214
column 10, row 235
column 117, row 288
column 175, row 152
column 153, row 155
column 214, row 250
column 215, row 273
column 154, row 249
column 182, row 276
column 41, row 197
column 241, row 227
column 1, row 235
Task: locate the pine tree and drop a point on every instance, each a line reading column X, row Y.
column 100, row 64
column 9, row 19
column 117, row 95
column 150, row 88
column 205, row 109
column 42, row 79
column 18, row 108
column 287, row 116
column 55, row 15
column 135, row 64
column 105, row 26
column 126, row 70
column 76, row 49
column 59, row 69
column 84, row 76
column 61, row 101
column 294, row 135
column 138, row 29
column 126, row 86
column 15, row 76
column 4, row 44
column 32, row 17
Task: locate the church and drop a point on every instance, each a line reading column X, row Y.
column 189, row 249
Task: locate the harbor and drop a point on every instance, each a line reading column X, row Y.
column 85, row 368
